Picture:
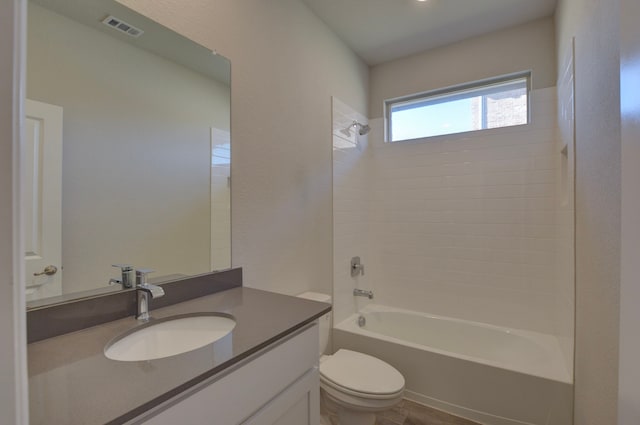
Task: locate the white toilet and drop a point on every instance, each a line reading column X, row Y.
column 355, row 384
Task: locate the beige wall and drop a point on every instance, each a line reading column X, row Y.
column 525, row 47
column 12, row 352
column 595, row 25
column 137, row 132
column 286, row 65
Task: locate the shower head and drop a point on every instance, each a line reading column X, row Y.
column 362, row 129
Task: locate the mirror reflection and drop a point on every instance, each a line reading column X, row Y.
column 128, row 150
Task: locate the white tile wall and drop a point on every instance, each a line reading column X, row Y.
column 467, row 225
column 351, row 214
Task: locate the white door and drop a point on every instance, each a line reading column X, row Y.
column 43, row 200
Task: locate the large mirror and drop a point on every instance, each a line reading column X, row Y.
column 128, row 150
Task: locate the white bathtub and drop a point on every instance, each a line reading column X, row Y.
column 493, row 375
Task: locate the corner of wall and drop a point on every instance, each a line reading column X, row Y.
column 13, row 386
column 595, row 26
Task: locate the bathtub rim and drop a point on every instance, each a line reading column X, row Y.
column 350, row 325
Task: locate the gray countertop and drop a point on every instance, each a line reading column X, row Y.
column 72, row 382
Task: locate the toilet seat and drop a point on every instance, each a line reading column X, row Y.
column 335, row 388
column 358, row 403
column 362, row 376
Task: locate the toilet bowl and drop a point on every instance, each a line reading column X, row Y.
column 359, row 385
column 354, row 385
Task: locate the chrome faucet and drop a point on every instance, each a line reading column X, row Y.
column 362, row 293
column 145, row 293
column 128, row 276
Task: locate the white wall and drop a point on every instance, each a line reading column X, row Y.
column 595, row 25
column 13, row 398
column 286, row 65
column 629, row 373
column 525, row 47
column 155, row 159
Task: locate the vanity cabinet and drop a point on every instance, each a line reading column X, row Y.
column 278, row 385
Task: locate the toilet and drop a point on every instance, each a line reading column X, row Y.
column 354, row 384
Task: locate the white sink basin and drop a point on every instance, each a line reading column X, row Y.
column 168, row 337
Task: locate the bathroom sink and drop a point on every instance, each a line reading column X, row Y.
column 170, row 336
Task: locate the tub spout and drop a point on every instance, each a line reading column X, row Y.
column 363, row 293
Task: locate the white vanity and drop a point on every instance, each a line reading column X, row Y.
column 276, row 386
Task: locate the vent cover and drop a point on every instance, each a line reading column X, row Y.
column 122, row 26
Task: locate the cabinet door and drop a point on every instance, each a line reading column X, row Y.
column 297, row 405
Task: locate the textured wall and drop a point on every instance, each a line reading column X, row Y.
column 595, row 25
column 525, row 47
column 286, row 65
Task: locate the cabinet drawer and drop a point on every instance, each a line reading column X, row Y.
column 298, row 404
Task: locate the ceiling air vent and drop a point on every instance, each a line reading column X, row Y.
column 122, row 26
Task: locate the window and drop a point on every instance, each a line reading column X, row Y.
column 500, row 102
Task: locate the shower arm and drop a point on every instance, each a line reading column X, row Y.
column 362, row 128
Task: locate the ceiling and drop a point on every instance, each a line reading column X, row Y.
column 383, row 30
column 156, row 38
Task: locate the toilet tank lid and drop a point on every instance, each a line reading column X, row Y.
column 315, row 296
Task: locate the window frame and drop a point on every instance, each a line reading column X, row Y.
column 453, row 93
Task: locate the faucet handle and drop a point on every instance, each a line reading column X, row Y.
column 356, row 267
column 126, row 279
column 141, row 276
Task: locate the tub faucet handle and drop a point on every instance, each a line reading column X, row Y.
column 362, row 293
column 356, row 267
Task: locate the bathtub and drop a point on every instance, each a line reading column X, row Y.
column 489, row 374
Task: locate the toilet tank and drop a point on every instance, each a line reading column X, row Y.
column 325, row 321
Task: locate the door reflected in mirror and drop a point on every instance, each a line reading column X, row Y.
column 128, row 150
